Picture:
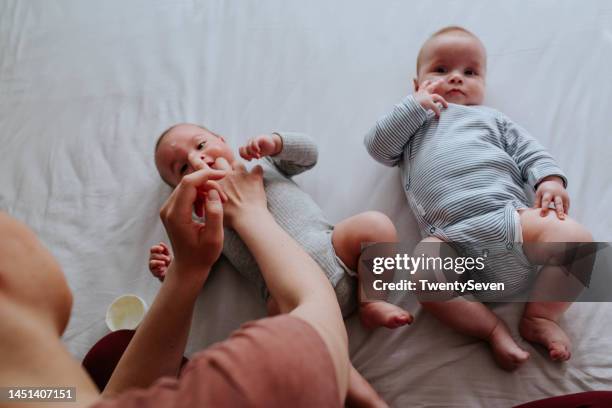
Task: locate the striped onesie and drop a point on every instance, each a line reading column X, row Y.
column 463, row 175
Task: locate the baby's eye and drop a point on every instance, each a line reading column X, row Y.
column 201, row 145
column 440, row 70
column 183, row 169
column 470, row 72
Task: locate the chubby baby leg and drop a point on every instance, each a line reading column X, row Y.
column 473, row 319
column 347, row 239
column 540, row 321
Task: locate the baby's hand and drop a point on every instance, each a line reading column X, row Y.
column 159, row 260
column 427, row 98
column 260, row 146
column 551, row 190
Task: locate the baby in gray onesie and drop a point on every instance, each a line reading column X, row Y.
column 186, row 147
column 463, row 169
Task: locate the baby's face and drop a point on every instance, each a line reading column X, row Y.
column 186, row 148
column 459, row 61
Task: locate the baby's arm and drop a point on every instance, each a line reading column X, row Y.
column 291, row 153
column 538, row 168
column 386, row 141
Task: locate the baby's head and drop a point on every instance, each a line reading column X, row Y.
column 456, row 56
column 184, row 148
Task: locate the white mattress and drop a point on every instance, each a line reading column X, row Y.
column 86, row 86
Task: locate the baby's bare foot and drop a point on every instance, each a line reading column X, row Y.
column 549, row 334
column 377, row 314
column 507, row 353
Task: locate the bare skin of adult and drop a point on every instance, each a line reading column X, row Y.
column 33, row 317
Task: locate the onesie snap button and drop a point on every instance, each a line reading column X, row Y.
column 509, row 245
column 407, row 185
column 421, row 209
column 432, row 230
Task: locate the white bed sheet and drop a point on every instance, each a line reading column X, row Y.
column 86, row 86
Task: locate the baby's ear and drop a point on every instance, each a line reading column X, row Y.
column 416, row 84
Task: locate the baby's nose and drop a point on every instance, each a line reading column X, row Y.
column 455, row 79
column 196, row 160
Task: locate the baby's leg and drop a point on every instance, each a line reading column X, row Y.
column 474, row 319
column 347, row 238
column 540, row 321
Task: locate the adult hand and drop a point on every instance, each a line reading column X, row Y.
column 196, row 245
column 551, row 190
column 245, row 192
column 427, row 97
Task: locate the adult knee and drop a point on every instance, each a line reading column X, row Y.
column 30, row 276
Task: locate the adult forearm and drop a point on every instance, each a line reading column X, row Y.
column 159, row 343
column 290, row 273
column 298, row 285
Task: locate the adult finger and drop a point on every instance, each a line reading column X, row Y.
column 238, row 166
column 222, row 164
column 214, row 217
column 186, row 194
column 210, row 185
column 566, row 205
column 559, row 207
column 258, row 170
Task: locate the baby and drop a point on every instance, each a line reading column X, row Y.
column 186, row 147
column 463, row 168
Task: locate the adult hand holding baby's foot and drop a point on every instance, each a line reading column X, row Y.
column 159, row 260
column 261, row 146
column 551, row 190
column 426, row 96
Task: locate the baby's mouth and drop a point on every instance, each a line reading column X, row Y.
column 455, row 91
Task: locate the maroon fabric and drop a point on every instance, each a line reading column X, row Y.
column 591, row 399
column 101, row 360
column 274, row 362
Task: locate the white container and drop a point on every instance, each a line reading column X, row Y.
column 126, row 312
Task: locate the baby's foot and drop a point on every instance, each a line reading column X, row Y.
column 507, row 353
column 547, row 333
column 377, row 314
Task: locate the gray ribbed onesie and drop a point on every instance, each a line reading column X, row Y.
column 463, row 175
column 297, row 213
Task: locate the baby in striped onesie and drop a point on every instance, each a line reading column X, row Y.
column 464, row 167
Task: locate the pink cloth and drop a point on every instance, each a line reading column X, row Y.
column 274, row 362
